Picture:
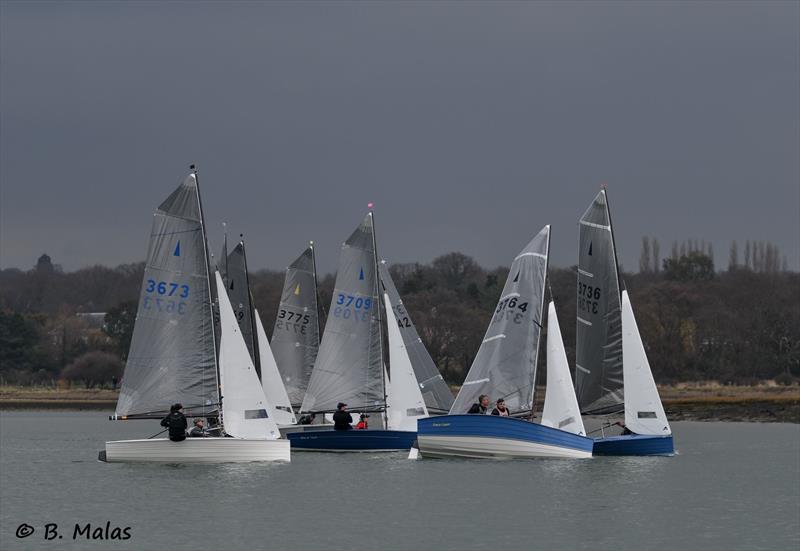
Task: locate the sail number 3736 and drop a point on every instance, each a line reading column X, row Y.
column 588, row 298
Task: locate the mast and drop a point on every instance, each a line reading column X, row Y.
column 210, row 294
column 256, row 354
column 316, row 290
column 380, row 316
column 613, row 243
column 546, row 283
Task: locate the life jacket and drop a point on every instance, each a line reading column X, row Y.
column 361, row 425
column 177, row 426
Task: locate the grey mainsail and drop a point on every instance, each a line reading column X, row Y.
column 172, row 355
column 598, row 354
column 295, row 337
column 237, row 284
column 349, row 366
column 505, row 366
column 435, row 391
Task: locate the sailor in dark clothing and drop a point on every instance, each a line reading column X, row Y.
column 198, row 430
column 500, row 409
column 341, row 419
column 176, row 423
column 481, row 406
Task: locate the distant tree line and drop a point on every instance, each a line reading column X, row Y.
column 741, row 325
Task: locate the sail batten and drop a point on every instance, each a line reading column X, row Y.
column 434, row 389
column 505, row 365
column 349, row 366
column 172, row 357
column 598, row 381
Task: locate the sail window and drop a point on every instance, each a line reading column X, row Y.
column 646, row 414
column 255, row 414
column 415, row 412
column 566, row 422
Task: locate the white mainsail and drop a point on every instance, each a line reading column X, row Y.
column 404, row 399
column 277, row 399
column 244, row 406
column 561, row 409
column 644, row 413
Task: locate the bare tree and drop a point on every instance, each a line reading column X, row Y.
column 656, row 255
column 644, row 258
column 747, row 256
column 733, row 257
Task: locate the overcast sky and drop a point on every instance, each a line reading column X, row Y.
column 469, row 125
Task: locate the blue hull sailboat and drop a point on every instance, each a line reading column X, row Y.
column 349, row 368
column 505, row 367
column 612, row 373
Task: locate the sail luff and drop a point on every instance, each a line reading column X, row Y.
column 541, row 316
column 208, row 281
column 377, row 292
column 256, row 351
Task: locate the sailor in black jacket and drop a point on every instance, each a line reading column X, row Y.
column 481, row 406
column 341, row 419
column 176, row 423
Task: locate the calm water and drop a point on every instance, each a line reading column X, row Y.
column 733, row 486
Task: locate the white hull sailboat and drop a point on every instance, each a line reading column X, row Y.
column 174, row 357
column 197, row 450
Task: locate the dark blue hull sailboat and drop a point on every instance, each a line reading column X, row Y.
column 635, row 444
column 376, row 440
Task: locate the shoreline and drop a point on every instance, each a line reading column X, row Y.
column 686, row 402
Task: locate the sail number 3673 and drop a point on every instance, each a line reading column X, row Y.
column 161, row 301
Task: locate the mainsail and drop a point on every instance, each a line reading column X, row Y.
column 295, row 337
column 172, row 355
column 598, row 361
column 435, row 391
column 505, row 366
column 237, row 284
column 349, row 366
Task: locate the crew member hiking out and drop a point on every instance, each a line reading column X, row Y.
column 176, row 423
